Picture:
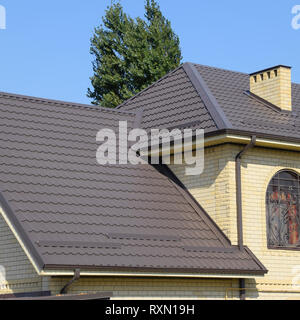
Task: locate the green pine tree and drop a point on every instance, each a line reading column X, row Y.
column 131, row 54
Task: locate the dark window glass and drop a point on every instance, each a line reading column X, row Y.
column 283, row 199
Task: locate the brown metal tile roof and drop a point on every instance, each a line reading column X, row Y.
column 246, row 113
column 72, row 212
column 171, row 102
column 220, row 101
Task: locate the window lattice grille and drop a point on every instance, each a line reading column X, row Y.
column 283, row 200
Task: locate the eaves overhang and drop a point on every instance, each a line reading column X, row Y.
column 87, row 271
column 243, row 137
column 44, row 269
column 225, row 136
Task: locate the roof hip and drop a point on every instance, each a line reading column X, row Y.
column 209, row 100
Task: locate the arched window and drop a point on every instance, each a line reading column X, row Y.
column 283, row 200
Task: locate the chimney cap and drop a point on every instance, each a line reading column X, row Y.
column 271, row 68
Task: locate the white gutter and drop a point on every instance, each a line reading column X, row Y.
column 229, row 138
column 262, row 142
column 53, row 273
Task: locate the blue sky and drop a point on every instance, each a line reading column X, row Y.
column 44, row 50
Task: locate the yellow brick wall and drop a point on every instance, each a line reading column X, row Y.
column 258, row 167
column 150, row 288
column 20, row 275
column 213, row 188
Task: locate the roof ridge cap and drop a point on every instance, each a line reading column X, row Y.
column 223, row 69
column 228, row 70
column 210, row 102
column 63, row 103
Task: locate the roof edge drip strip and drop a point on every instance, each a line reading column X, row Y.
column 262, row 267
column 68, row 270
column 209, row 100
column 21, row 232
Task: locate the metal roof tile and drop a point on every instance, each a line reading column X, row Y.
column 63, row 203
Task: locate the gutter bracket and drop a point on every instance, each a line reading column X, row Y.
column 76, row 277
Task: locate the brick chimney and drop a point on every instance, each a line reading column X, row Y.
column 274, row 85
